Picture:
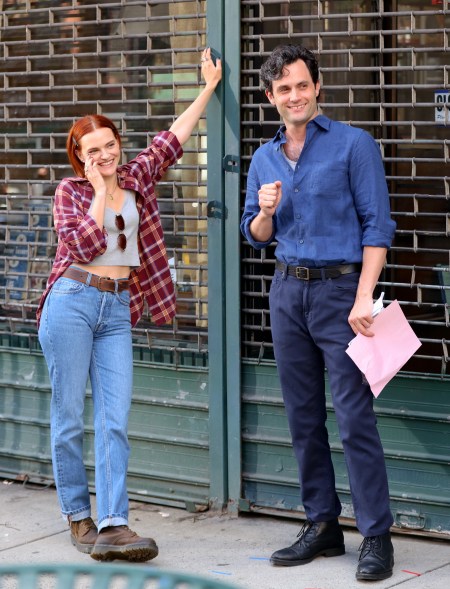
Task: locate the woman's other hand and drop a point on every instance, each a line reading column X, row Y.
column 211, row 72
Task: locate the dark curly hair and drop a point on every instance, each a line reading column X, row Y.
column 283, row 55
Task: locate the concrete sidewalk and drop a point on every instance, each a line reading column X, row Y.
column 228, row 549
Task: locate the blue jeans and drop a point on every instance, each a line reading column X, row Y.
column 87, row 333
column 309, row 322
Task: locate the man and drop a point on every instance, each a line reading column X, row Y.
column 319, row 190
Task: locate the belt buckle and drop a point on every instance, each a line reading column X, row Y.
column 302, row 273
column 100, row 284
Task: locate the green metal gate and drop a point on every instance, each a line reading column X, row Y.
column 138, row 63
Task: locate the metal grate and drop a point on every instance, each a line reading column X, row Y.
column 384, row 68
column 136, row 62
column 110, row 576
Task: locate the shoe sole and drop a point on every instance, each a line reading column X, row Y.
column 329, row 552
column 373, row 577
column 84, row 548
column 132, row 553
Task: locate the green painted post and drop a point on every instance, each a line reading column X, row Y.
column 216, row 277
column 232, row 249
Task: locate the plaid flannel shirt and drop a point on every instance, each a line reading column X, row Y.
column 80, row 239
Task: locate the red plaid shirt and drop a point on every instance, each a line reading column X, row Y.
column 81, row 240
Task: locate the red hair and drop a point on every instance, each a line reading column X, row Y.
column 81, row 128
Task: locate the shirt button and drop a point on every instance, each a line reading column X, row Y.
column 295, row 189
column 301, row 241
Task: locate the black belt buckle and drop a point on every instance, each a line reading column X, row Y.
column 302, row 273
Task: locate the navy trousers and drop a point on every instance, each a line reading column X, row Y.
column 309, row 321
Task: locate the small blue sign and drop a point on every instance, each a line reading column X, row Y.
column 441, row 112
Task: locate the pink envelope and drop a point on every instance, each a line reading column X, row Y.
column 380, row 357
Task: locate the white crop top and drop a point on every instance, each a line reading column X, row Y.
column 114, row 255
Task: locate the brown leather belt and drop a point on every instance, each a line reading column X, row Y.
column 303, row 273
column 104, row 284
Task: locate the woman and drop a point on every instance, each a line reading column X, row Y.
column 110, row 258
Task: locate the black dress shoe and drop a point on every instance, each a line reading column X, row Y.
column 376, row 560
column 314, row 539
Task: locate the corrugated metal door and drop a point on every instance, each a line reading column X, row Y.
column 384, row 68
column 138, row 63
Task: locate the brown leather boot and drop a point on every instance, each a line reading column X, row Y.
column 83, row 534
column 122, row 543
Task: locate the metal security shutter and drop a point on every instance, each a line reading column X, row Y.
column 138, row 63
column 384, row 68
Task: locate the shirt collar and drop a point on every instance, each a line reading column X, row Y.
column 320, row 120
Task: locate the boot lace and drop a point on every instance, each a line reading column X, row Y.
column 89, row 524
column 82, row 527
column 368, row 545
column 304, row 529
column 131, row 533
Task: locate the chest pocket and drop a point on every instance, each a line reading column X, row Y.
column 329, row 180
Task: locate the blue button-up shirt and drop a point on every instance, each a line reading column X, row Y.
column 333, row 203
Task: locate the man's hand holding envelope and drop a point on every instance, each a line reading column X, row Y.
column 394, row 342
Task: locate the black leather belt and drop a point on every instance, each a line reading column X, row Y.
column 303, row 273
column 104, row 284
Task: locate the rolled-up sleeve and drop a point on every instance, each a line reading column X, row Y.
column 152, row 162
column 371, row 197
column 252, row 208
column 77, row 232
